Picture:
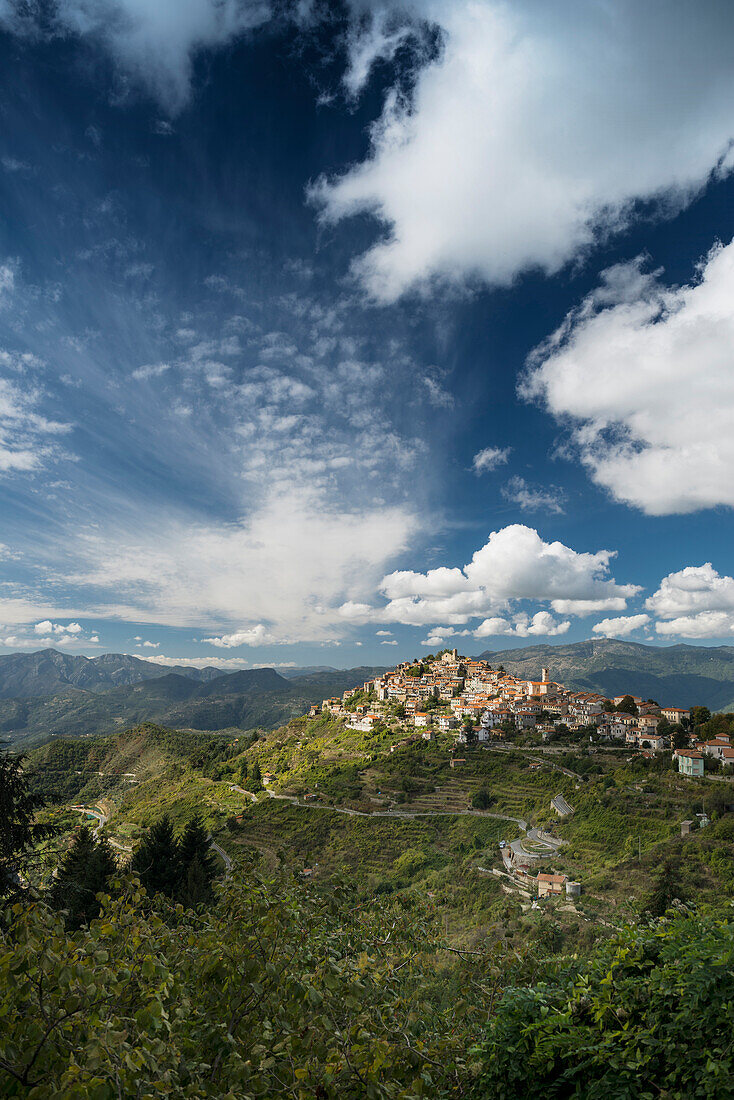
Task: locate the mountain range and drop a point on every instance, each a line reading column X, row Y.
column 678, row 675
column 82, row 701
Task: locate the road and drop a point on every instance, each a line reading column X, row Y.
column 222, row 854
column 241, row 790
column 551, row 844
column 391, row 814
column 101, row 818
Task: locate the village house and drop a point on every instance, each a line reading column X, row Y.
column 549, row 884
column 675, row 714
column 690, row 762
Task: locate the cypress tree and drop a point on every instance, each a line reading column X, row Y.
column 85, row 872
column 197, row 864
column 157, row 861
column 257, row 779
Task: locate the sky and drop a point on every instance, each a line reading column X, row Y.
column 335, row 334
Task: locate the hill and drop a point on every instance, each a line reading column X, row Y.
column 238, row 700
column 686, row 674
column 47, row 672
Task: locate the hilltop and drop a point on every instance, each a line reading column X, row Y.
column 688, row 674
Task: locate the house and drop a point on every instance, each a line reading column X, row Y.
column 656, row 741
column 690, row 762
column 420, row 718
column 675, row 714
column 314, row 711
column 446, row 722
column 550, row 884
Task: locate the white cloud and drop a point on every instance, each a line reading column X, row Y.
column 47, row 627
column 152, row 41
column 393, row 642
column 705, row 624
column 542, row 623
column 515, row 564
column 642, row 372
column 696, row 602
column 151, row 645
column 532, row 132
column 277, row 575
column 439, row 634
column 383, row 633
column 621, row 626
column 439, row 397
column 489, row 459
column 227, row 664
column 532, row 498
column 27, row 438
column 256, row 635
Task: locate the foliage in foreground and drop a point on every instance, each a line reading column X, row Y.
column 280, row 990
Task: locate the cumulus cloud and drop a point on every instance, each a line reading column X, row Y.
column 439, row 634
column 532, row 498
column 515, row 564
column 256, row 635
column 643, row 375
column 47, row 627
column 524, row 626
column 620, row 627
column 695, row 602
column 227, row 664
column 531, row 132
column 489, row 459
column 153, row 43
column 277, row 575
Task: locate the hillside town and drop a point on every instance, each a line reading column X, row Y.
column 476, row 703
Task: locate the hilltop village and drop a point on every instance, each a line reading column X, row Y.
column 466, row 697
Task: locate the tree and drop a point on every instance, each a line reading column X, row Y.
column 666, row 889
column 482, row 799
column 18, row 829
column 85, row 872
column 699, row 715
column 197, row 864
column 243, row 771
column 627, row 705
column 680, row 737
column 157, row 861
column 256, row 779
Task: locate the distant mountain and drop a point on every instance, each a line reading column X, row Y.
column 47, row 671
column 679, row 675
column 239, row 700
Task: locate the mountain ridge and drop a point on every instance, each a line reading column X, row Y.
column 680, row 675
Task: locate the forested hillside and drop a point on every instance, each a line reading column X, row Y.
column 232, row 701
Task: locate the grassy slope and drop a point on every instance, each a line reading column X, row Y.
column 184, row 773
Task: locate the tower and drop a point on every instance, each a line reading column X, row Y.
column 544, row 676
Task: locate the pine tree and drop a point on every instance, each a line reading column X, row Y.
column 84, row 873
column 18, row 833
column 197, row 864
column 157, row 861
column 257, row 779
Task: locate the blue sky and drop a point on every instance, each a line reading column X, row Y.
column 329, row 336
